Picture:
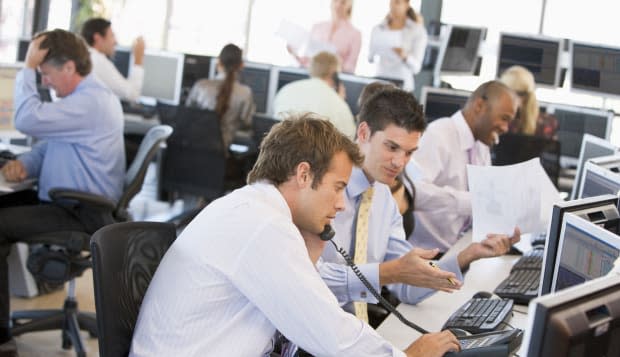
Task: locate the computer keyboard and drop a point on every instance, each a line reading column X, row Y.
column 146, row 111
column 522, row 283
column 480, row 315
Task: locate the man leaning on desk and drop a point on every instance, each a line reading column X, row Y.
column 80, row 147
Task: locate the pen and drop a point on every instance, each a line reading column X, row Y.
column 431, row 263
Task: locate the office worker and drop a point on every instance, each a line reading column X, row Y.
column 321, row 93
column 101, row 41
column 242, row 269
column 529, row 120
column 80, row 147
column 398, row 44
column 445, row 150
column 339, row 33
column 231, row 100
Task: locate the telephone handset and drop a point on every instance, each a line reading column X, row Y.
column 336, row 81
column 488, row 344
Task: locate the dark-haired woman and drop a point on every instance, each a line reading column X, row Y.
column 231, row 100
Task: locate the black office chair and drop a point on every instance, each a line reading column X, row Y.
column 261, row 124
column 61, row 258
column 125, row 257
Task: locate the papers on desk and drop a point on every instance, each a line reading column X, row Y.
column 504, row 197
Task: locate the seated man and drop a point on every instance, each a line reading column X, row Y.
column 99, row 35
column 243, row 269
column 320, row 94
column 447, row 147
column 80, row 147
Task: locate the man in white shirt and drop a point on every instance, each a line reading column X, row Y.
column 446, row 148
column 243, row 269
column 319, row 94
column 102, row 42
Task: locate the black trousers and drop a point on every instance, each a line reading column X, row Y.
column 22, row 218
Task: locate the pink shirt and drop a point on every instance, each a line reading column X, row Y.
column 346, row 38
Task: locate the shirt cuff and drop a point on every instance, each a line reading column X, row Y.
column 463, row 203
column 357, row 290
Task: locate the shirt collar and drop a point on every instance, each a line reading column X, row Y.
column 270, row 190
column 466, row 137
column 358, row 183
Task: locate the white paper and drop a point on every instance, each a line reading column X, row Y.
column 8, row 187
column 386, row 41
column 505, row 197
column 301, row 40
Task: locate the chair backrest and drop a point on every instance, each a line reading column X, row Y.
column 134, row 178
column 194, row 161
column 125, row 257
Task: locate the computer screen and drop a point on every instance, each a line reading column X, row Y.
column 595, row 69
column 286, row 75
column 8, row 72
column 258, row 77
column 395, row 81
column 122, row 60
column 582, row 321
column 22, row 49
column 460, row 54
column 599, row 180
column 541, row 55
column 163, row 72
column 195, row 67
column 591, row 147
column 600, row 209
column 585, row 252
column 442, row 102
column 353, row 86
column 573, row 123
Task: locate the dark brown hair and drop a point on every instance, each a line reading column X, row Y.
column 65, row 46
column 230, row 59
column 93, row 26
column 305, row 137
column 392, row 106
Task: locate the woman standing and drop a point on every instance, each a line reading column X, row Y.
column 398, row 44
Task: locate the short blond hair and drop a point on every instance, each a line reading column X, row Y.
column 323, row 64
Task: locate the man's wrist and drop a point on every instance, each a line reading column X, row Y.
column 388, row 272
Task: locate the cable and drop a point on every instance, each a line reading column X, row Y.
column 507, row 324
column 374, row 292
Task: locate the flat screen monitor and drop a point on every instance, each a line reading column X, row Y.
column 540, row 55
column 585, row 252
column 286, row 75
column 122, row 60
column 195, row 67
column 8, row 72
column 460, row 54
column 163, row 72
column 442, row 102
column 22, row 49
column 573, row 123
column 258, row 77
column 353, row 86
column 600, row 177
column 397, row 82
column 591, row 147
column 601, row 210
column 582, row 321
column 595, row 69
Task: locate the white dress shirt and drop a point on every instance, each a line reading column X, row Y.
column 446, row 148
column 315, row 95
column 239, row 271
column 386, row 241
column 125, row 88
column 413, row 39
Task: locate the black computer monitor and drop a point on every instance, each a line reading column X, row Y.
column 540, row 55
column 600, row 176
column 583, row 321
column 599, row 209
column 353, row 86
column 195, row 67
column 122, row 60
column 286, row 75
column 573, row 123
column 591, row 147
column 163, row 72
column 515, row 148
column 22, row 49
column 258, row 77
column 460, row 52
column 442, row 102
column 585, row 252
column 595, row 69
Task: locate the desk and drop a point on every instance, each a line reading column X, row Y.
column 137, row 124
column 432, row 313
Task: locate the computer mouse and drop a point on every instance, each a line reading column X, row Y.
column 482, row 295
column 459, row 332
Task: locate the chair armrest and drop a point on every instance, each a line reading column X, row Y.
column 86, row 198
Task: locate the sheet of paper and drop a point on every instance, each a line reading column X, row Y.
column 293, row 34
column 505, row 197
column 7, row 187
column 385, row 41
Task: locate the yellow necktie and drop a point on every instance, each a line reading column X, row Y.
column 361, row 245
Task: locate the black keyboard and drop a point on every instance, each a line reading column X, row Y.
column 480, row 315
column 522, row 283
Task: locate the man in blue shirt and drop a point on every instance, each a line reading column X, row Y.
column 80, row 147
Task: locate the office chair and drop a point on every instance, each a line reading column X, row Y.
column 125, row 257
column 64, row 260
column 261, row 124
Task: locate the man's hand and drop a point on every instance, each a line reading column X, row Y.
column 413, row 268
column 138, row 50
column 494, row 245
column 35, row 55
column 434, row 345
column 14, row 171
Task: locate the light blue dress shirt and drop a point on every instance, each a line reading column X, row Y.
column 80, row 137
column 386, row 241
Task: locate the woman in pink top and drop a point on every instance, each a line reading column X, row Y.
column 339, row 33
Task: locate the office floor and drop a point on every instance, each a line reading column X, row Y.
column 143, row 207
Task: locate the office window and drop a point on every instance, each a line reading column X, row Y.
column 133, row 18
column 15, row 23
column 59, row 16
